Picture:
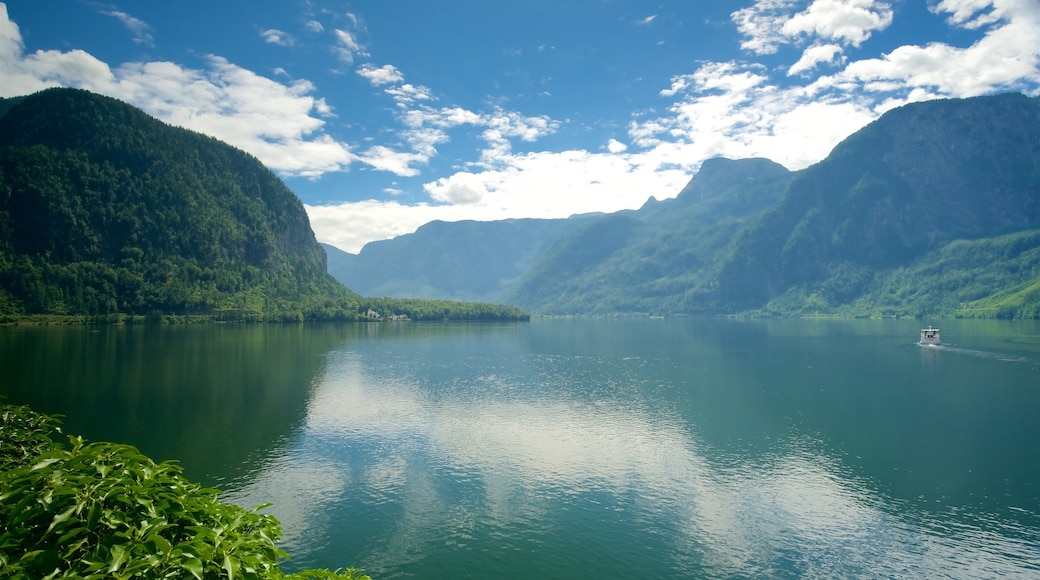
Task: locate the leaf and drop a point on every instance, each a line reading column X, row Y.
column 45, row 463
column 119, row 555
column 161, row 543
column 193, row 565
column 58, row 519
column 230, row 566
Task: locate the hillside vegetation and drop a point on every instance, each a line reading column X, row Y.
column 105, row 212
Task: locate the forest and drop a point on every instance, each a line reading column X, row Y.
column 109, row 214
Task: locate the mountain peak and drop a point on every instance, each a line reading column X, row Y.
column 720, row 175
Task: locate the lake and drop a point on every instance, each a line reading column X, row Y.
column 584, row 448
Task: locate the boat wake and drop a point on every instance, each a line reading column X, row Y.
column 1001, row 356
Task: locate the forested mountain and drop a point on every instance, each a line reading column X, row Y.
column 892, row 196
column 105, row 210
column 645, row 261
column 933, row 209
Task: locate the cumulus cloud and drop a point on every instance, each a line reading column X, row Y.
column 380, row 75
column 615, row 146
column 767, row 24
column 460, row 189
column 971, row 14
column 847, row 21
column 1005, row 58
column 733, row 110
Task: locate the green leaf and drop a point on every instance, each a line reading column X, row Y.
column 58, row 519
column 119, row 555
column 161, row 543
column 230, row 566
column 44, row 463
column 193, row 565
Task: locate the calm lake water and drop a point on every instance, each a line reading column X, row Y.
column 584, row 448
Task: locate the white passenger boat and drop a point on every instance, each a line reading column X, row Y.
column 930, row 337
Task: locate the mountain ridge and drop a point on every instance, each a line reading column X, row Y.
column 750, row 237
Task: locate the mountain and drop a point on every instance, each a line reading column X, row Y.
column 932, row 209
column 523, row 260
column 645, row 261
column 106, row 210
column 465, row 260
column 893, row 195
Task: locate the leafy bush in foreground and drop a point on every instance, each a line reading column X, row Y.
column 104, row 510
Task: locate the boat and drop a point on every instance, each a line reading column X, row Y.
column 930, row 337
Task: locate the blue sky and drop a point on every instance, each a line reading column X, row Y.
column 382, row 116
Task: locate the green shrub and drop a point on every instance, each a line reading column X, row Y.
column 104, row 510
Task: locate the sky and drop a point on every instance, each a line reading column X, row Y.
column 384, row 115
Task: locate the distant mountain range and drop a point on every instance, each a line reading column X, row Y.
column 931, row 210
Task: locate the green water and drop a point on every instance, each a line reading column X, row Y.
column 584, row 448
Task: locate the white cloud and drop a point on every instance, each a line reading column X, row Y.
column 425, row 127
column 1005, row 58
column 815, row 55
column 459, row 189
column 761, row 24
column 141, row 31
column 770, row 23
column 738, row 109
column 733, row 110
column 615, row 146
column 848, row 21
column 406, row 94
column 380, row 75
column 275, row 36
column 971, row 14
column 346, row 46
column 397, row 162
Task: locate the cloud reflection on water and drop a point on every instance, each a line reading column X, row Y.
column 451, row 462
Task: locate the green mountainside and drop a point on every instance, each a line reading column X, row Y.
column 107, row 211
column 932, row 210
column 646, row 261
column 891, row 197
